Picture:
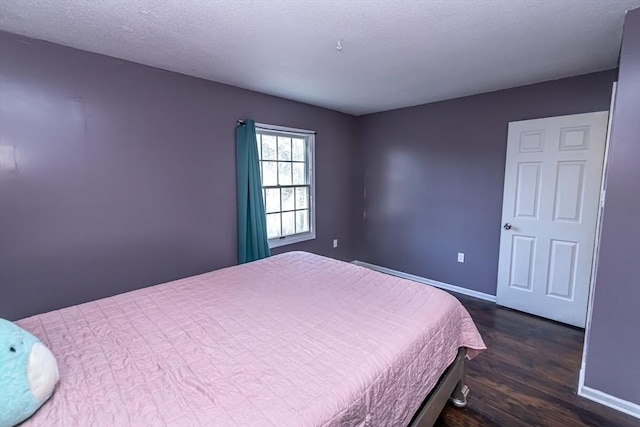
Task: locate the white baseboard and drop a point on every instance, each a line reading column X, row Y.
column 435, row 283
column 605, row 399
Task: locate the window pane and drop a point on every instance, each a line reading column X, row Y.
column 284, row 173
column 284, row 148
column 302, row 198
column 273, row 225
column 272, row 202
column 268, row 147
column 287, row 199
column 269, row 173
column 302, row 221
column 288, row 223
column 285, row 162
column 299, row 173
column 297, row 150
column 259, row 145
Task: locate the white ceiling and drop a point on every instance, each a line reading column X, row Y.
column 396, row 53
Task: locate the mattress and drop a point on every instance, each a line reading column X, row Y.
column 292, row 340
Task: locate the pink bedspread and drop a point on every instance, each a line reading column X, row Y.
column 293, row 340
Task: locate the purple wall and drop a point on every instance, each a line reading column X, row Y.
column 613, row 359
column 434, row 177
column 127, row 175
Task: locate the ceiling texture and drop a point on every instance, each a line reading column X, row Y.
column 394, row 53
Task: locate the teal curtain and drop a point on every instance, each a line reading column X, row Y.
column 252, row 223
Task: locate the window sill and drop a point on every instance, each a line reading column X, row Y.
column 290, row 240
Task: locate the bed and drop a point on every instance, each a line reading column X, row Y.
column 292, row 340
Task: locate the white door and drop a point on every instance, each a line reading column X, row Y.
column 549, row 214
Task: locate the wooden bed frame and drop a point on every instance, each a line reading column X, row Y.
column 450, row 386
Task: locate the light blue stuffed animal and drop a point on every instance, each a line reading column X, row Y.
column 28, row 374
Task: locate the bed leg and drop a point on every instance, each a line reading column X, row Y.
column 459, row 395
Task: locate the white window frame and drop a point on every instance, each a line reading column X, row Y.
column 310, row 136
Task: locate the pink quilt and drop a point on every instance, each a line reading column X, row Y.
column 292, row 340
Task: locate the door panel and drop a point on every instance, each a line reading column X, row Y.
column 562, row 269
column 551, row 195
column 569, row 188
column 527, row 190
column 523, row 251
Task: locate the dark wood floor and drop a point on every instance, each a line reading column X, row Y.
column 528, row 376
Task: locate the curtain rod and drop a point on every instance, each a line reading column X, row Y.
column 279, row 129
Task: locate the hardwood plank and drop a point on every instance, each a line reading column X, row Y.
column 528, row 376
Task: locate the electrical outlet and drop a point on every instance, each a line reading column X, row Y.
column 460, row 257
column 335, row 243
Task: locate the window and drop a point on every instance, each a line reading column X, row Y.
column 286, row 167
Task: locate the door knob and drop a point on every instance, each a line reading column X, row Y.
column 507, row 226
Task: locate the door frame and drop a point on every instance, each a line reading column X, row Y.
column 585, row 391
